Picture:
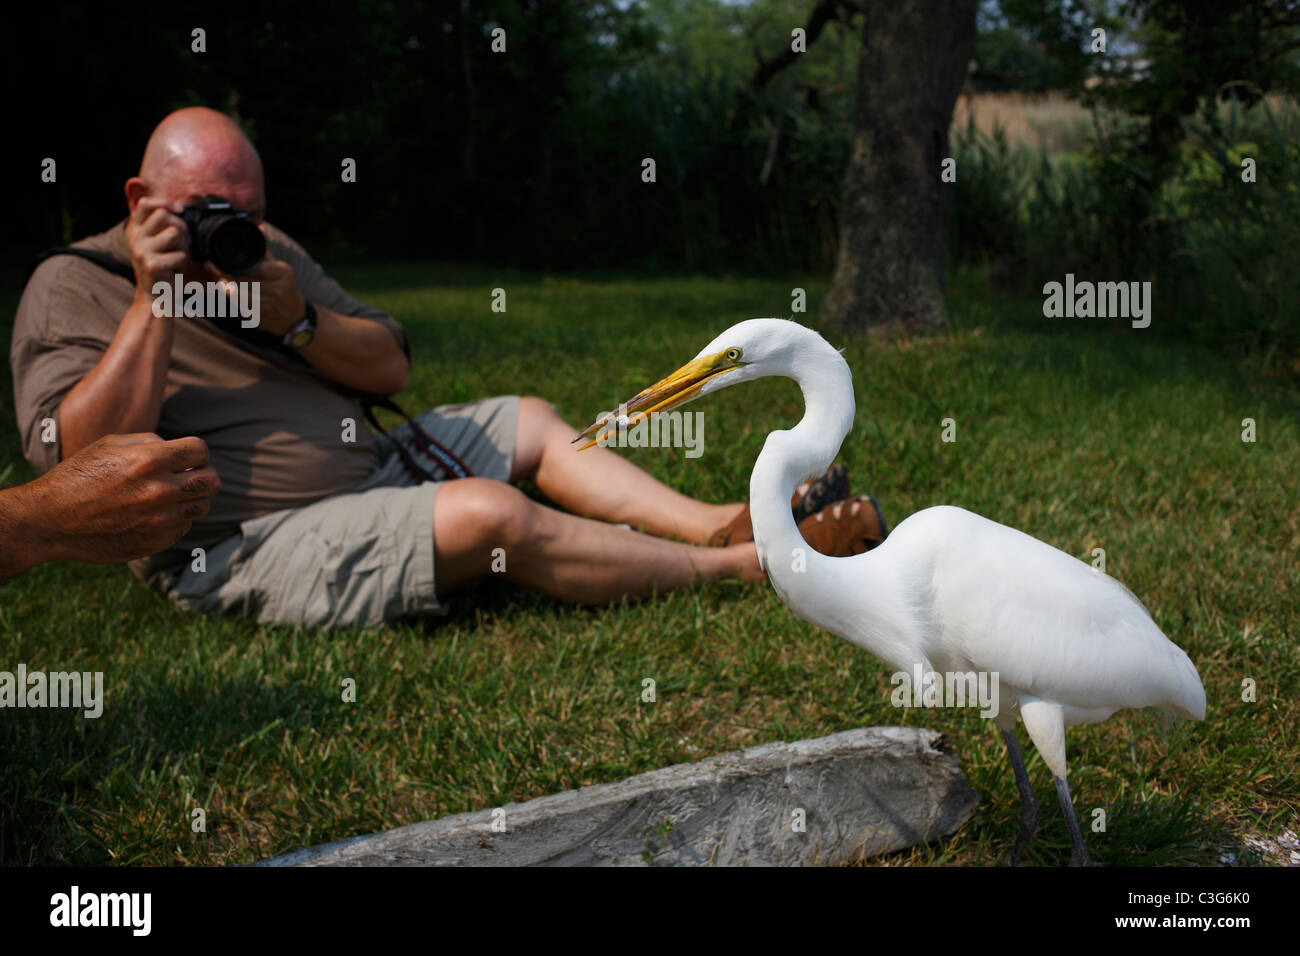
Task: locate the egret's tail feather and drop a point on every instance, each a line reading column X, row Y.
column 1188, row 696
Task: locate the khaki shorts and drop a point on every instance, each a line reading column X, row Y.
column 361, row 558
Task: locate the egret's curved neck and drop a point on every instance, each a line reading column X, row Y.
column 788, row 457
column 862, row 598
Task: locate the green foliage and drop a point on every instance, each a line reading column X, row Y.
column 528, row 157
column 1220, row 252
column 1037, row 45
column 712, row 134
column 534, row 158
column 1233, row 272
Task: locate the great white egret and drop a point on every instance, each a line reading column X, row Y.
column 948, row 591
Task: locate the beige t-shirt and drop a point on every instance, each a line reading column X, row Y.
column 273, row 424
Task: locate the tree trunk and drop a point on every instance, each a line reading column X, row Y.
column 894, row 218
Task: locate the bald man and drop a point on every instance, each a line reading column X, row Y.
column 318, row 521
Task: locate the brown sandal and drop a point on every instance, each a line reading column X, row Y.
column 846, row 527
column 809, row 498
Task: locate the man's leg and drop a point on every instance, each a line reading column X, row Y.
column 601, row 484
column 569, row 557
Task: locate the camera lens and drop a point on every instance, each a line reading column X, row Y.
column 233, row 244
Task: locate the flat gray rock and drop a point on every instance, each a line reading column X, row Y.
column 860, row 792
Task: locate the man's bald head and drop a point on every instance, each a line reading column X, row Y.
column 195, row 152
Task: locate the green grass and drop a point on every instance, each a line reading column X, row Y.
column 1083, row 433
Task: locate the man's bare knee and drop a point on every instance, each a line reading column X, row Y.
column 536, row 411
column 478, row 513
column 537, row 405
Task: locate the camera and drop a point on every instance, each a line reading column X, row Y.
column 224, row 236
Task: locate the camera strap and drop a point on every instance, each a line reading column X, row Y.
column 228, row 324
column 451, row 465
column 101, row 259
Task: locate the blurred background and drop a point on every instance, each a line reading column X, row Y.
column 1117, row 165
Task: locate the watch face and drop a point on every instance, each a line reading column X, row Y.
column 302, row 338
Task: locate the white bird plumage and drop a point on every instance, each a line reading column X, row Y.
column 947, row 590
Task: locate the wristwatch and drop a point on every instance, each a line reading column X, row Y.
column 302, row 332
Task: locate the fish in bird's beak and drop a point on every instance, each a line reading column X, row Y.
column 682, row 386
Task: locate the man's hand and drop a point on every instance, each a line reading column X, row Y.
column 351, row 351
column 122, row 497
column 159, row 241
column 280, row 302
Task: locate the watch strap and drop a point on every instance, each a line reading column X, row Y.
column 294, row 338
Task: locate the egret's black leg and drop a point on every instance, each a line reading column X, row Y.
column 1028, row 805
column 1078, row 853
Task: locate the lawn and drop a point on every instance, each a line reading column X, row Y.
column 1084, row 433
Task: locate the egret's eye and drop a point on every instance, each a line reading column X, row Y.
column 733, row 354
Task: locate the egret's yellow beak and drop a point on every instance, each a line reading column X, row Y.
column 677, row 389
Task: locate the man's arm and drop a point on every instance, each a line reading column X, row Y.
column 358, row 353
column 22, row 544
column 123, row 393
column 355, row 352
column 123, row 497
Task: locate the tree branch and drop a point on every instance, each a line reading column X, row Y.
column 822, row 14
column 1281, row 50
